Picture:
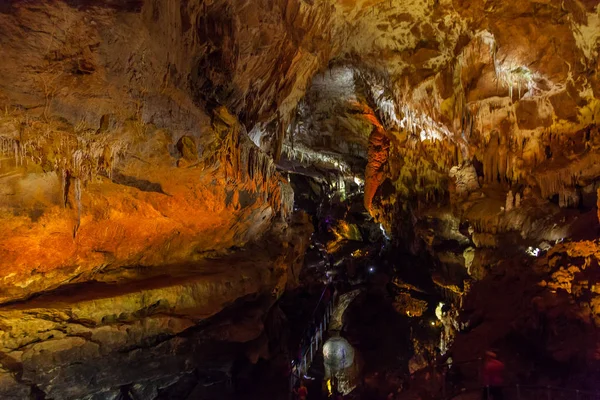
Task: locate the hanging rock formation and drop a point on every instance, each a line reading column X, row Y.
column 374, row 173
column 142, row 145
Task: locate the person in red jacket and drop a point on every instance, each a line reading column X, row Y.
column 493, row 377
column 302, row 391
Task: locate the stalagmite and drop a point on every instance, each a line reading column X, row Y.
column 509, row 201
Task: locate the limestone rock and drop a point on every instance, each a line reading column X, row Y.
column 406, row 304
column 145, row 333
column 126, row 165
column 509, row 201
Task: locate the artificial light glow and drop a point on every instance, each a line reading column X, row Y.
column 430, row 129
column 432, row 323
column 533, row 251
column 257, row 133
column 438, row 310
column 386, row 105
column 338, row 360
column 416, row 122
column 371, row 269
column 357, row 253
column 516, row 76
column 383, row 231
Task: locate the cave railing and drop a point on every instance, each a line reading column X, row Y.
column 313, row 338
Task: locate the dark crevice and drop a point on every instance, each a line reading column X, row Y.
column 141, row 184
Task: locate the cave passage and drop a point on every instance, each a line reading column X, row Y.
column 226, row 199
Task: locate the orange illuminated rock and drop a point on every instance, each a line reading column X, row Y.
column 405, row 304
column 378, row 155
column 147, row 213
column 130, row 331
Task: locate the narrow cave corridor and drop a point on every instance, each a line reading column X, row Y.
column 299, row 199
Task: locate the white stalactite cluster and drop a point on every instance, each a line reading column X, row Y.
column 84, row 155
column 308, row 156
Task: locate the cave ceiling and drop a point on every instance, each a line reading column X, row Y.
column 111, row 109
column 443, row 98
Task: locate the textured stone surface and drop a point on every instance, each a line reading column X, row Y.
column 92, row 338
column 155, row 69
column 145, row 212
column 137, row 141
column 110, row 157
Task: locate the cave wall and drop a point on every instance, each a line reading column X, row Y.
column 136, row 213
column 115, row 149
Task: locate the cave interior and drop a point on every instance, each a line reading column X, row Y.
column 228, row 199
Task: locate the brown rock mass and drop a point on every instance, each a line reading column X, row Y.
column 146, row 149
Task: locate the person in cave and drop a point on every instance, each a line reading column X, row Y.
column 453, row 374
column 302, row 391
column 493, row 377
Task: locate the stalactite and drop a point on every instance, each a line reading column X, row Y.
column 279, row 136
column 293, row 130
column 491, row 158
column 17, row 153
column 65, row 186
column 568, row 198
column 554, row 182
column 77, row 192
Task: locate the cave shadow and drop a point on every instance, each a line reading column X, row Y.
column 140, row 184
column 379, row 334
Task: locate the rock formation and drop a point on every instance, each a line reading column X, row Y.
column 146, row 149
